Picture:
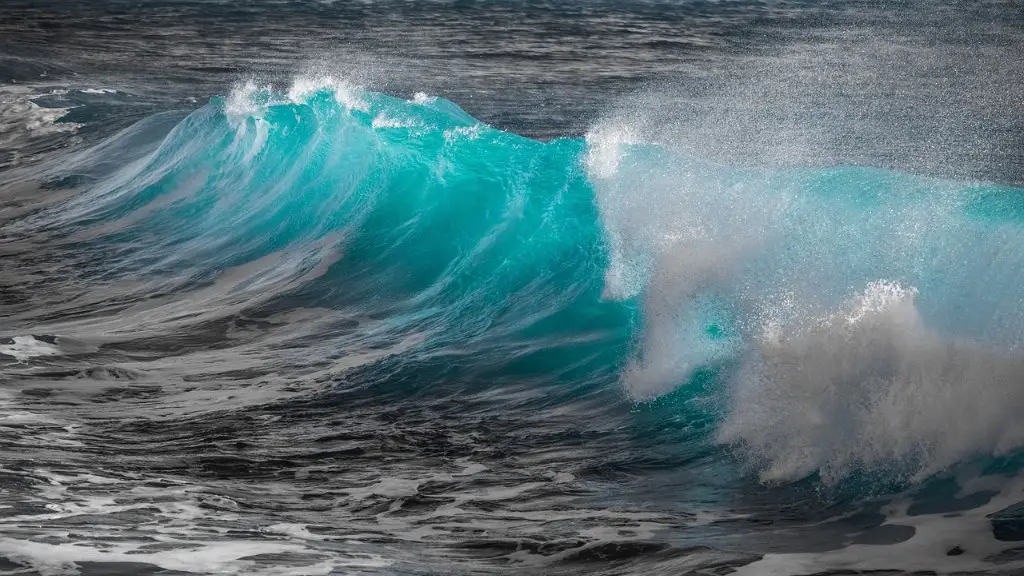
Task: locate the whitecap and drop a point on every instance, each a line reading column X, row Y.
column 24, row 347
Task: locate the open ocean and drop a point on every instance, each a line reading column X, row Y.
column 596, row 287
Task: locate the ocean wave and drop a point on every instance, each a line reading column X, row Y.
column 849, row 314
column 752, row 271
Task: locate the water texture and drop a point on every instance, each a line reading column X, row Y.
column 704, row 288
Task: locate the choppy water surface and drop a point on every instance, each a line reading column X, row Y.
column 564, row 288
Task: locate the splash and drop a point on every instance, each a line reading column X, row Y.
column 872, row 388
column 749, row 273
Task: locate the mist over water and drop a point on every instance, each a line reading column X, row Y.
column 687, row 288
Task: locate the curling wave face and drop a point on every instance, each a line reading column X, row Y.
column 850, row 319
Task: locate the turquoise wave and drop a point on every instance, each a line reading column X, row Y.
column 849, row 316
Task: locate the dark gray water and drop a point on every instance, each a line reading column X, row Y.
column 917, row 86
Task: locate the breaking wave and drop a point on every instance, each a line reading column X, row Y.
column 852, row 318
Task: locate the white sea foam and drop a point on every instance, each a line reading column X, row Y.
column 21, row 119
column 39, row 120
column 422, row 98
column 462, row 132
column 24, row 347
column 204, row 557
column 251, row 98
column 346, row 93
column 245, row 99
column 605, row 147
column 384, row 122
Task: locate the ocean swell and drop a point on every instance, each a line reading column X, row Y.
column 853, row 318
